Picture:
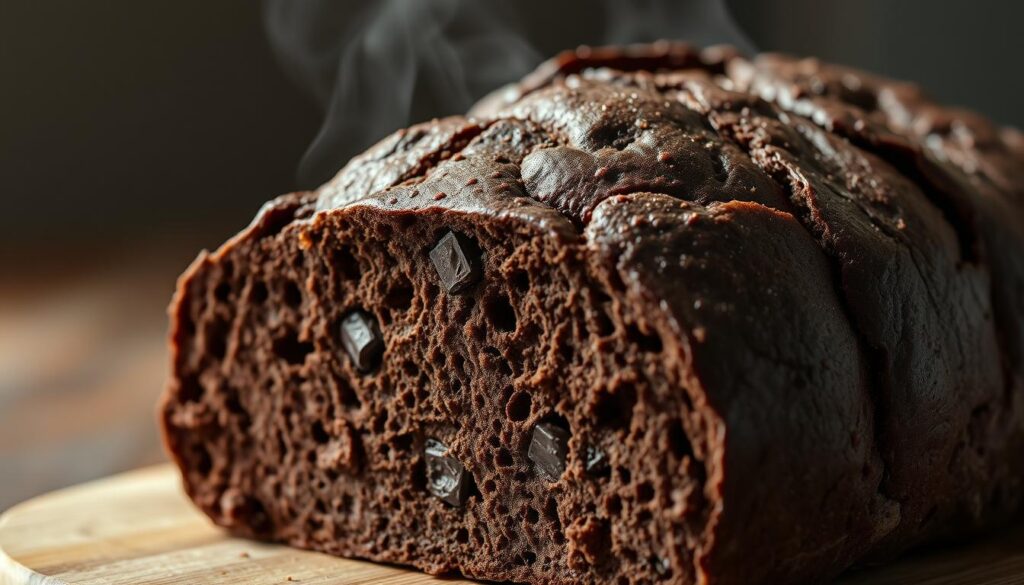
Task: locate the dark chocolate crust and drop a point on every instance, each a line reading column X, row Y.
column 653, row 315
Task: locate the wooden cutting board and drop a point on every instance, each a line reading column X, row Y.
column 138, row 527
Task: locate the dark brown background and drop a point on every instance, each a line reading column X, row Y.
column 134, row 133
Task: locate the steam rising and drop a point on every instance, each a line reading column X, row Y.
column 701, row 22
column 379, row 66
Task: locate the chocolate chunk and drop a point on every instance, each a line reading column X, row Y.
column 362, row 339
column 447, row 479
column 597, row 463
column 661, row 566
column 548, row 448
column 457, row 261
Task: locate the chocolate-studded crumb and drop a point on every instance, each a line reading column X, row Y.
column 362, row 339
column 680, row 317
column 446, row 477
column 456, row 259
column 596, row 462
column 549, row 446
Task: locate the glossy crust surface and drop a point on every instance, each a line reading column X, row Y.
column 775, row 306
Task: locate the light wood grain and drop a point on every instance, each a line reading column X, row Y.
column 138, row 527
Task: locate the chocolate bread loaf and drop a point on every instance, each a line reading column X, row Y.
column 654, row 315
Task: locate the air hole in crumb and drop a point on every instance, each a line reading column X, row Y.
column 282, row 446
column 462, row 536
column 603, row 325
column 532, row 515
column 404, row 442
column 319, row 434
column 399, row 296
column 380, row 421
column 501, row 314
column 518, row 406
column 613, row 505
column 258, row 294
column 614, row 408
column 215, row 342
column 204, row 463
column 551, row 510
column 503, row 458
column 408, row 400
column 222, row 292
column 231, row 402
column 677, row 440
column 615, row 282
column 644, row 492
column 292, row 295
column 345, row 263
column 346, row 394
column 625, row 477
column 489, row 486
column 521, row 281
column 567, row 351
column 189, row 389
column 234, row 406
column 646, row 342
column 529, row 557
column 291, row 350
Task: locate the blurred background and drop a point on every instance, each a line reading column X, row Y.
column 132, row 134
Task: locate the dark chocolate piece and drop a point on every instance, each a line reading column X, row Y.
column 362, row 339
column 548, row 448
column 597, row 463
column 457, row 261
column 661, row 566
column 446, row 477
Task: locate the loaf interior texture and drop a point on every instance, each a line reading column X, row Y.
column 653, row 315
